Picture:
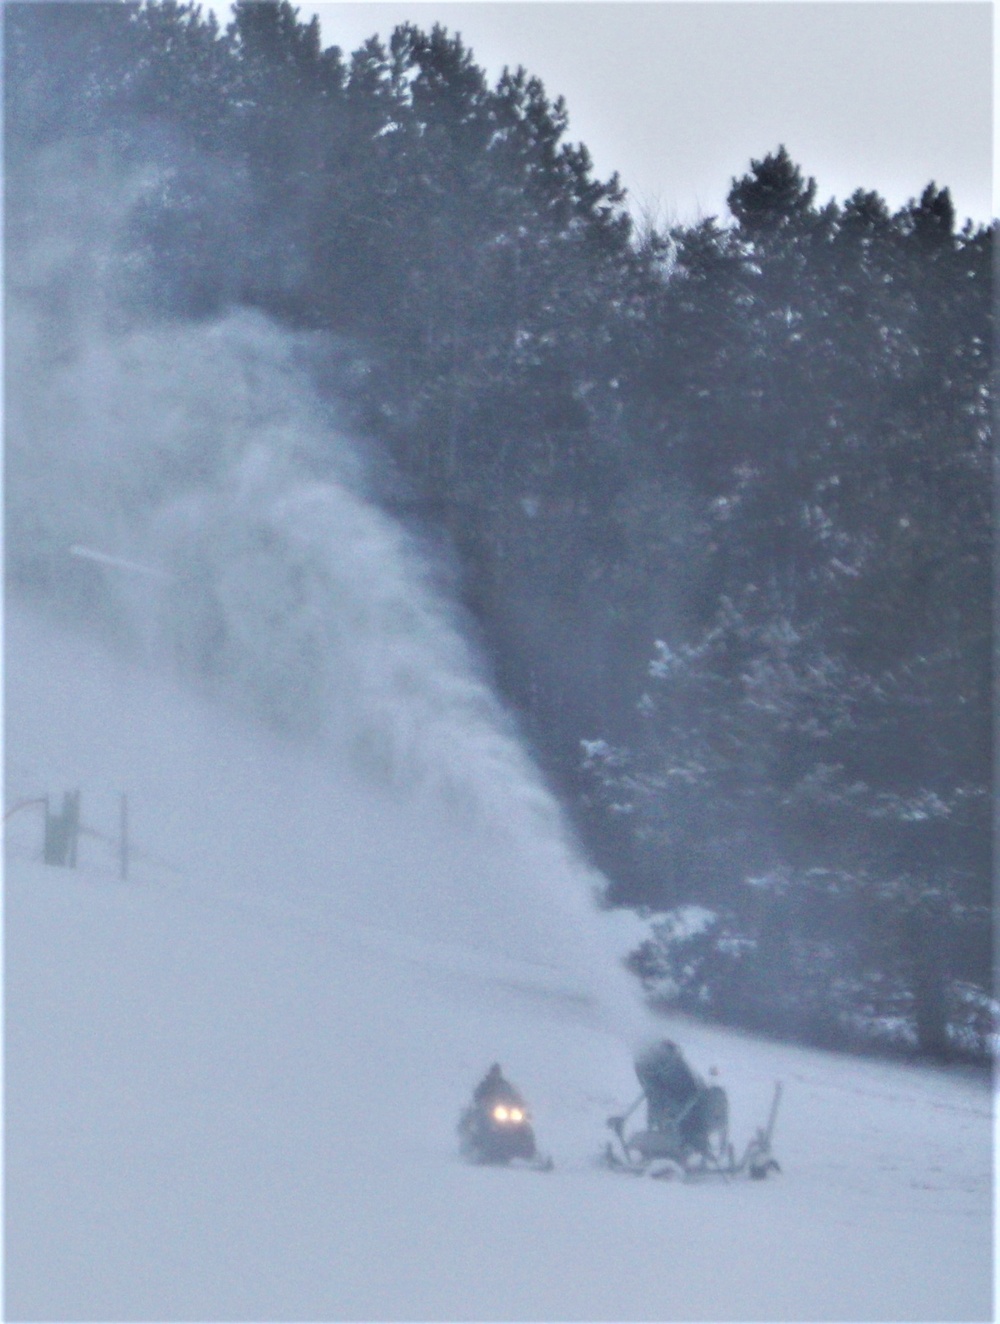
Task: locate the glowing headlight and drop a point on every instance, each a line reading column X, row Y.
column 501, row 1113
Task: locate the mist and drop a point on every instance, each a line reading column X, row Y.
column 276, row 591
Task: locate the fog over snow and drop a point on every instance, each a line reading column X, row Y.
column 232, row 1079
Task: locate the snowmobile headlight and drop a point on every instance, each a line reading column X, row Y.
column 516, row 1115
column 500, row 1113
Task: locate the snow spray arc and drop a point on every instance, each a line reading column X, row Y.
column 201, row 450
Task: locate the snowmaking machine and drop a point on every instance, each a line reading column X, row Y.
column 692, row 1141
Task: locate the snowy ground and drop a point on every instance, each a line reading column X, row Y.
column 232, row 1081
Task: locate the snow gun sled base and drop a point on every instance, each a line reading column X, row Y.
column 676, row 1148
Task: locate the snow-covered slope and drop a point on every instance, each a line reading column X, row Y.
column 232, row 1081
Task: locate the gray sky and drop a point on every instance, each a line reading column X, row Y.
column 679, row 96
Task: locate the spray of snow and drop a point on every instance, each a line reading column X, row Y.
column 202, row 456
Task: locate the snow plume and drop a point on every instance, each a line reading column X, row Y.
column 281, row 594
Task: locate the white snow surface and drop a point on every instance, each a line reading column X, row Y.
column 232, row 1080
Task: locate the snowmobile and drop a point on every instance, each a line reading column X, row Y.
column 496, row 1128
column 694, row 1141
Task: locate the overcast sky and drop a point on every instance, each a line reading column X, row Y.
column 678, row 97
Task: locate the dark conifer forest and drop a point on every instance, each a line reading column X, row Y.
column 716, row 500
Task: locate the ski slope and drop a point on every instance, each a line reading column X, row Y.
column 232, row 1080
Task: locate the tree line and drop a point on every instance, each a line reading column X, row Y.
column 719, row 495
